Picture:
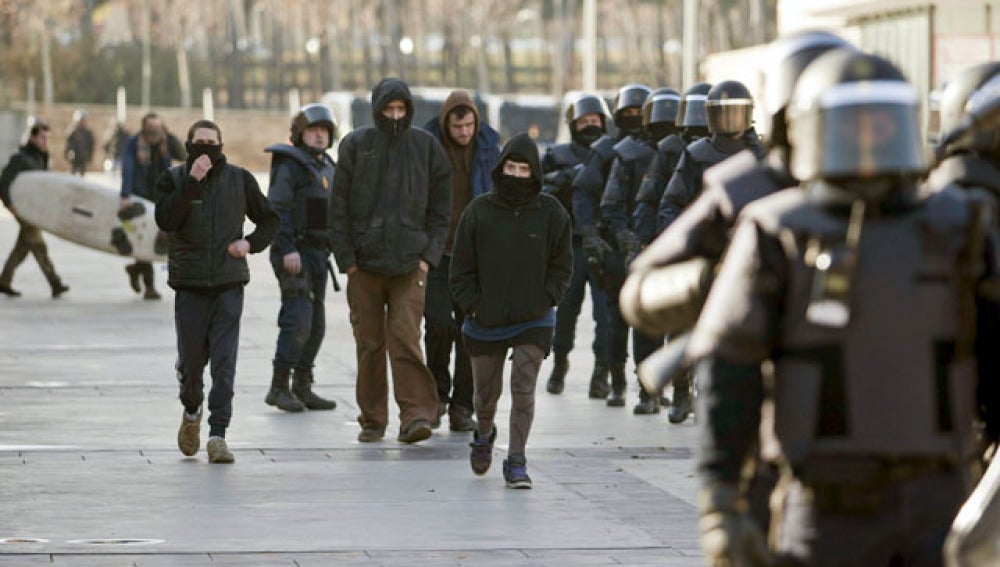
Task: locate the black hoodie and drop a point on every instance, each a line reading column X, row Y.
column 510, row 264
column 391, row 196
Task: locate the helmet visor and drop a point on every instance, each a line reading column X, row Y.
column 870, row 128
column 729, row 116
column 692, row 111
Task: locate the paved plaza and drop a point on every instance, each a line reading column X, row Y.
column 90, row 474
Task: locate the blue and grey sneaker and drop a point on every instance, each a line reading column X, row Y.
column 481, row 455
column 515, row 472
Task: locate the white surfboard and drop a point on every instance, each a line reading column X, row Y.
column 86, row 213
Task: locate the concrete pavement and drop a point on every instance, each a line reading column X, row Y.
column 90, row 473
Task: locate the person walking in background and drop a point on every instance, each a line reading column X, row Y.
column 202, row 206
column 79, row 144
column 472, row 150
column 389, row 220
column 512, row 263
column 32, row 156
column 145, row 157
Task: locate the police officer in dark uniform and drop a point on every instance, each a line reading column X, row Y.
column 632, row 158
column 690, row 125
column 301, row 177
column 862, row 295
column 586, row 118
column 588, row 187
column 700, row 234
column 729, row 111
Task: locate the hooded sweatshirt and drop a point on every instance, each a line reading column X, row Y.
column 511, row 264
column 391, row 196
column 470, row 165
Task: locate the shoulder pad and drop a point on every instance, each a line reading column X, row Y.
column 671, row 144
column 740, row 180
column 631, row 149
column 563, row 156
column 702, row 151
column 604, row 147
column 286, row 150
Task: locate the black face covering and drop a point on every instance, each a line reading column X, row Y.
column 660, row 130
column 588, row 135
column 213, row 151
column 516, row 191
column 630, row 124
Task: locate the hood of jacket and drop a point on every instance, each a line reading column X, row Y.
column 454, row 100
column 524, row 149
column 386, row 91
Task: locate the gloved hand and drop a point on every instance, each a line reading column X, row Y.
column 593, row 245
column 728, row 535
column 559, row 180
column 628, row 243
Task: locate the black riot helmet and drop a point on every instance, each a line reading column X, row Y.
column 729, row 108
column 973, row 89
column 582, row 106
column 659, row 113
column 784, row 61
column 854, row 117
column 691, row 114
column 313, row 115
column 632, row 95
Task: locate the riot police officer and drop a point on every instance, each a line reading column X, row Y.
column 729, row 112
column 588, row 187
column 301, row 177
column 586, row 118
column 874, row 390
column 633, row 156
column 690, row 125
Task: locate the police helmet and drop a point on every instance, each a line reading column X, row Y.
column 854, row 116
column 972, row 90
column 691, row 113
column 630, row 95
column 729, row 108
column 587, row 104
column 784, row 61
column 661, row 106
column 313, row 115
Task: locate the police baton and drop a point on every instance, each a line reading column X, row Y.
column 333, row 276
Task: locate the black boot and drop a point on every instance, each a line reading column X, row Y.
column 599, row 382
column 618, row 383
column 133, row 277
column 148, row 279
column 6, row 289
column 58, row 288
column 682, row 401
column 648, row 405
column 557, row 380
column 279, row 395
column 302, row 388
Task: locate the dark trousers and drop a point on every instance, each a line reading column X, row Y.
column 145, row 269
column 908, row 528
column 385, row 315
column 442, row 320
column 569, row 307
column 208, row 329
column 642, row 346
column 302, row 318
column 29, row 240
column 488, row 372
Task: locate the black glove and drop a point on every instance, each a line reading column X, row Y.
column 628, row 243
column 561, row 179
column 593, row 245
column 728, row 535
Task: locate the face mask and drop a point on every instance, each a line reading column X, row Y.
column 213, row 151
column 588, row 135
column 630, row 124
column 516, row 190
column 660, row 130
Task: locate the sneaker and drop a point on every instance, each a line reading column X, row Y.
column 189, row 435
column 416, row 431
column 515, row 472
column 481, row 455
column 371, row 434
column 218, row 452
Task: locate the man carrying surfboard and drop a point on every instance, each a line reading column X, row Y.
column 32, row 156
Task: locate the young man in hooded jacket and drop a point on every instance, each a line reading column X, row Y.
column 389, row 212
column 510, row 266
